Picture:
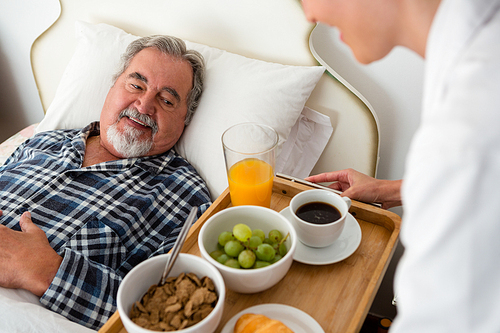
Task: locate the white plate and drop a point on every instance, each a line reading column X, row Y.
column 343, row 247
column 297, row 320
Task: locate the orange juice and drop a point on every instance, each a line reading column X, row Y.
column 251, row 183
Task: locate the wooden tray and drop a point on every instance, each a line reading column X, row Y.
column 337, row 296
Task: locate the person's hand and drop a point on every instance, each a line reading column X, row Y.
column 361, row 187
column 27, row 261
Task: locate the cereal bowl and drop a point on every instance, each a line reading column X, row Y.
column 137, row 282
column 248, row 281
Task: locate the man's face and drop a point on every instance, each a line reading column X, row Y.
column 368, row 27
column 152, row 92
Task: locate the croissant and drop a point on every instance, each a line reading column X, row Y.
column 257, row 323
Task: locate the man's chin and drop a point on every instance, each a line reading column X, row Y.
column 132, row 152
column 129, row 144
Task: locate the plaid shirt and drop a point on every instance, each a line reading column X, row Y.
column 103, row 219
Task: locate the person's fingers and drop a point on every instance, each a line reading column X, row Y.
column 350, row 194
column 390, row 204
column 316, row 178
column 26, row 224
column 336, row 186
column 334, row 176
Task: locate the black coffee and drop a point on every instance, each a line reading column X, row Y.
column 318, row 213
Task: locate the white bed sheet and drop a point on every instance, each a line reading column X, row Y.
column 21, row 312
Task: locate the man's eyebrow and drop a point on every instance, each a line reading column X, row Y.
column 139, row 76
column 171, row 91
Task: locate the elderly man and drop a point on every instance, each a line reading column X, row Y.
column 83, row 207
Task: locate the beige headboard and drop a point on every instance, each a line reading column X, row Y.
column 271, row 30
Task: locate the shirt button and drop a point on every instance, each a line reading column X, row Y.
column 21, row 210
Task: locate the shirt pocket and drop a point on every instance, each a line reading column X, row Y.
column 100, row 243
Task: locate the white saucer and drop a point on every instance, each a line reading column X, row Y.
column 297, row 320
column 343, row 247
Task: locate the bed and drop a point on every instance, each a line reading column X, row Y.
column 263, row 65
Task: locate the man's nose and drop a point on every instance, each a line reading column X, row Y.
column 146, row 103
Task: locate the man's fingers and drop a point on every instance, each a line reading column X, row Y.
column 25, row 222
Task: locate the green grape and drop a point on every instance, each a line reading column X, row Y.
column 223, row 258
column 216, row 254
column 260, row 233
column 242, row 232
column 276, row 247
column 276, row 258
column 275, row 236
column 233, row 248
column 265, row 252
column 282, row 250
column 232, row 263
column 225, row 237
column 267, row 241
column 260, row 264
column 247, row 248
column 254, row 242
column 246, row 258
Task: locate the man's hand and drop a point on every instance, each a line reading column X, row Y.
column 27, row 260
column 361, row 187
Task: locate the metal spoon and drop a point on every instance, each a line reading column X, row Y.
column 178, row 245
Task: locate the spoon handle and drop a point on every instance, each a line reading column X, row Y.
column 178, row 244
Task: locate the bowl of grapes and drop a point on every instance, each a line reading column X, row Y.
column 251, row 246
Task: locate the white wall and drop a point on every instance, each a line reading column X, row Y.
column 21, row 21
column 393, row 86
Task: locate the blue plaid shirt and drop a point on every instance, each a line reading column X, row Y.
column 103, row 219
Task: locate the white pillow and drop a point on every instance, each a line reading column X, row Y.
column 237, row 89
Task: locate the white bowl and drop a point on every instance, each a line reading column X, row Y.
column 248, row 281
column 138, row 280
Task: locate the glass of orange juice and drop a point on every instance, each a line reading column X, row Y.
column 249, row 152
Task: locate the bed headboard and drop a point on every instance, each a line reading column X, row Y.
column 274, row 31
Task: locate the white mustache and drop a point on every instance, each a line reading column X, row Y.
column 142, row 118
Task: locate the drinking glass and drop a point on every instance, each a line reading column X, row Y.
column 249, row 152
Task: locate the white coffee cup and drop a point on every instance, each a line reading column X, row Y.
column 319, row 235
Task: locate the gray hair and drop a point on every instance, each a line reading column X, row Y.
column 175, row 47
